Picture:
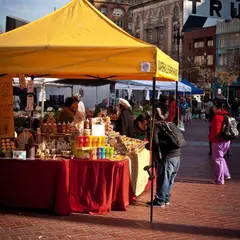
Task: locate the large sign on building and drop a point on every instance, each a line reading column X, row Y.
column 219, row 9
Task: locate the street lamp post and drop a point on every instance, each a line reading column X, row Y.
column 205, row 63
column 178, row 37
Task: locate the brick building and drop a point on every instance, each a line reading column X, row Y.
column 116, row 10
column 14, row 22
column 154, row 22
column 199, row 47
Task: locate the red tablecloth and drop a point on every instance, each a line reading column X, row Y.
column 98, row 186
column 35, row 184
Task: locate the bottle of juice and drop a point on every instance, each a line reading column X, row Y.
column 111, row 152
column 90, row 141
column 102, row 153
column 94, row 143
column 99, row 142
column 63, row 127
column 99, row 154
column 80, row 141
column 86, row 144
column 103, row 141
column 107, row 152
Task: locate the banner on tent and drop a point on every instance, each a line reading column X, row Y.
column 166, row 68
column 6, row 108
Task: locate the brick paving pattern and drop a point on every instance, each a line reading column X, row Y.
column 199, row 209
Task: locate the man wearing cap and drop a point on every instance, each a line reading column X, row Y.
column 125, row 122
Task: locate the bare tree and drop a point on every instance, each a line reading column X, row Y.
column 192, row 70
column 231, row 71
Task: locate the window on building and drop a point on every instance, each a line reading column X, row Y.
column 150, row 17
column 199, row 43
column 209, row 60
column 198, row 60
column 209, row 42
column 238, row 39
column 103, row 10
column 130, row 26
column 118, row 12
column 161, row 17
column 223, row 41
column 223, row 59
column 150, row 35
column 119, row 23
column 130, row 13
column 235, row 39
column 138, row 22
column 175, row 14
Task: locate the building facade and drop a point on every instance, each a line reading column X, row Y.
column 116, row 10
column 228, row 56
column 14, row 22
column 227, row 42
column 199, row 46
column 155, row 22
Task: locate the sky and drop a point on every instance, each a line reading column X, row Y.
column 29, row 10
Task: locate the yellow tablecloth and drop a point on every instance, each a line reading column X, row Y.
column 139, row 177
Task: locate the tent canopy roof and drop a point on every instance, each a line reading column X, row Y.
column 195, row 90
column 78, row 41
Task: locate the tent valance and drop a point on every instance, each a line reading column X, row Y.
column 145, row 85
column 77, row 41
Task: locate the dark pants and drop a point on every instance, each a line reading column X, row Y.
column 166, row 173
column 210, row 145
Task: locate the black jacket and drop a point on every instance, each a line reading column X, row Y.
column 160, row 146
column 125, row 123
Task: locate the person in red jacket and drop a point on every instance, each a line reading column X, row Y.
column 219, row 145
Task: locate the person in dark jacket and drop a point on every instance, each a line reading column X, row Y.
column 168, row 160
column 125, row 122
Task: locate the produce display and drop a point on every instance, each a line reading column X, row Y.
column 125, row 145
column 7, row 144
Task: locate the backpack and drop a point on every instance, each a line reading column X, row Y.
column 229, row 129
column 171, row 135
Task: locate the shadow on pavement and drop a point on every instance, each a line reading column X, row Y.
column 142, row 224
column 192, row 180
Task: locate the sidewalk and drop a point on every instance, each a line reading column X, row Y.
column 199, row 210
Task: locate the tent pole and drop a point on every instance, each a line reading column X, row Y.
column 42, row 103
column 96, row 96
column 151, row 143
column 177, row 115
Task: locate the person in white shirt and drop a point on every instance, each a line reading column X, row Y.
column 81, row 106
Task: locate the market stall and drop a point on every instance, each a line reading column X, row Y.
column 71, row 43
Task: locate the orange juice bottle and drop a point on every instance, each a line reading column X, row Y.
column 94, row 143
column 99, row 142
column 90, row 141
column 103, row 141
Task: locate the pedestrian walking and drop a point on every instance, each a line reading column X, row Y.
column 220, row 146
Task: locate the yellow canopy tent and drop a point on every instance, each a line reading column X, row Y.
column 78, row 41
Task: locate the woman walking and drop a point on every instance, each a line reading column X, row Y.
column 219, row 145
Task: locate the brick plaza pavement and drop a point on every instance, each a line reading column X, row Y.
column 199, row 209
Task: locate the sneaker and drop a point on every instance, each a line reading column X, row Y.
column 167, row 203
column 217, row 183
column 157, row 203
column 228, row 178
